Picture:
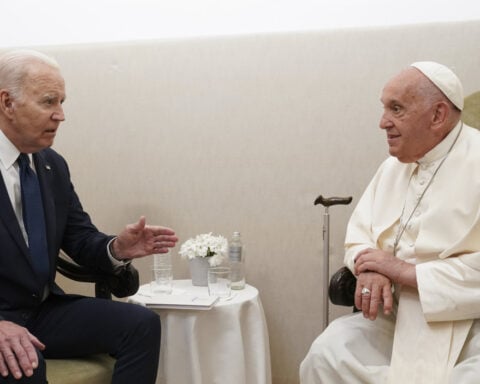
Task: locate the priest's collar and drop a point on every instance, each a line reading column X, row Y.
column 442, row 148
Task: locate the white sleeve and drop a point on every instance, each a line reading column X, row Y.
column 449, row 289
column 359, row 229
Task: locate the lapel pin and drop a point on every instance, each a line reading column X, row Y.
column 47, row 167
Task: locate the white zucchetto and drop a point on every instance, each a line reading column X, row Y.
column 444, row 79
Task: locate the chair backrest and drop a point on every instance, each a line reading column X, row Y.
column 125, row 282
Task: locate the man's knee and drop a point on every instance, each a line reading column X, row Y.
column 146, row 325
column 140, row 349
column 313, row 363
column 319, row 350
column 148, row 320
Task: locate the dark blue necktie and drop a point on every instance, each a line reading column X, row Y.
column 34, row 218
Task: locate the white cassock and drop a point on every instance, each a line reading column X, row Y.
column 432, row 337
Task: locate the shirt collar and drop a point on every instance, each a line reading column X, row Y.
column 442, row 148
column 8, row 152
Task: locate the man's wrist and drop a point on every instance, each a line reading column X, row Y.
column 113, row 257
column 111, row 250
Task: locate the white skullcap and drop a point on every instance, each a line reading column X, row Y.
column 444, row 79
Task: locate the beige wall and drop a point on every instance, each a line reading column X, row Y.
column 243, row 133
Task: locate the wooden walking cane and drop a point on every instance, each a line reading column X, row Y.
column 328, row 202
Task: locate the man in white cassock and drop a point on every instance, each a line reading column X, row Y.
column 413, row 242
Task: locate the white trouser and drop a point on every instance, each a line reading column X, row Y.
column 344, row 353
column 355, row 350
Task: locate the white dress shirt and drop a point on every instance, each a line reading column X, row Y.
column 11, row 176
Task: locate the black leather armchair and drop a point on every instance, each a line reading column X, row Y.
column 122, row 284
column 341, row 290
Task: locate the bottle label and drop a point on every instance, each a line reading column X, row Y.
column 235, row 253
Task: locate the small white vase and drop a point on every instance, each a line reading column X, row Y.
column 199, row 271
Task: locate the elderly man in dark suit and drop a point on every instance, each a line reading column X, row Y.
column 40, row 214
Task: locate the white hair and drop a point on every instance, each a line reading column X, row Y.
column 15, row 66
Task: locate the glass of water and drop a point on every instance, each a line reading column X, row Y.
column 219, row 281
column 162, row 279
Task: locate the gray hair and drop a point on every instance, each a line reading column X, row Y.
column 15, row 66
column 429, row 92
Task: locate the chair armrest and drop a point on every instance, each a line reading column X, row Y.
column 122, row 283
column 341, row 290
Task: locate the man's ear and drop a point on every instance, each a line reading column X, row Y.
column 440, row 113
column 6, row 103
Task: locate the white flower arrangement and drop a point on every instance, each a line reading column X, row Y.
column 205, row 245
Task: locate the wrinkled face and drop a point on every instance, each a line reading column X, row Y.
column 407, row 117
column 38, row 112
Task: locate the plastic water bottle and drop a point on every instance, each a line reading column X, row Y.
column 236, row 259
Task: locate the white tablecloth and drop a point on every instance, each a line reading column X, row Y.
column 227, row 344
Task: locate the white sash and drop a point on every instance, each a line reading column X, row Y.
column 424, row 353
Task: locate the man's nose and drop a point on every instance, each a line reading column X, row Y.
column 58, row 115
column 385, row 122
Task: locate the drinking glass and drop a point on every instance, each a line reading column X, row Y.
column 219, row 281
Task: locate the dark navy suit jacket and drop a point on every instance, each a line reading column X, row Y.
column 68, row 227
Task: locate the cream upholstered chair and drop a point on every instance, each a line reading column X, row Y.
column 341, row 290
column 471, row 110
column 95, row 369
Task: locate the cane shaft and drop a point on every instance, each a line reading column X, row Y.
column 326, row 265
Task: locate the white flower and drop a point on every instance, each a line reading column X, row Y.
column 205, row 245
